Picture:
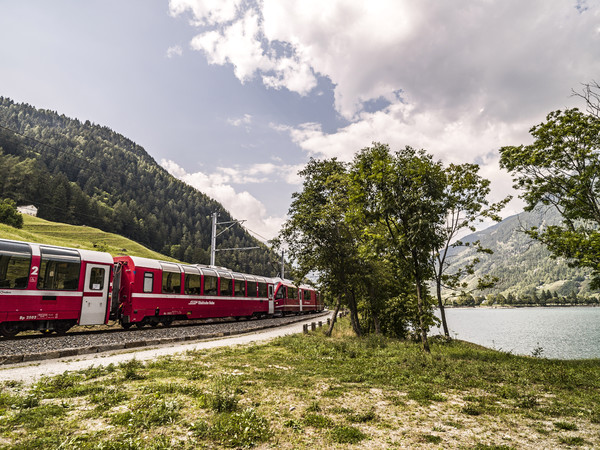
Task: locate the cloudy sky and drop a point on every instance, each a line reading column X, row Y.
column 234, row 96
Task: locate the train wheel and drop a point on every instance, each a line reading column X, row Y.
column 126, row 326
column 9, row 329
column 167, row 322
column 140, row 325
column 153, row 324
column 47, row 332
column 61, row 328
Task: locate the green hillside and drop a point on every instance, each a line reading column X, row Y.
column 85, row 174
column 523, row 266
column 83, row 237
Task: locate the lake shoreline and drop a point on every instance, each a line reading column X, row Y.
column 553, row 305
column 565, row 332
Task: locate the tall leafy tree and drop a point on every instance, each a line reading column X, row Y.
column 561, row 168
column 318, row 235
column 404, row 193
column 466, row 204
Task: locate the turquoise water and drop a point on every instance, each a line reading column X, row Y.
column 563, row 333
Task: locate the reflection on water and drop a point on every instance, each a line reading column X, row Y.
column 563, row 333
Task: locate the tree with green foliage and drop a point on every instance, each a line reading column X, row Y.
column 318, row 235
column 466, row 204
column 561, row 169
column 9, row 214
column 403, row 192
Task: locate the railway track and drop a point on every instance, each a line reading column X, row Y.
column 80, row 342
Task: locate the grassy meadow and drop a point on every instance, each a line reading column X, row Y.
column 83, row 237
column 309, row 391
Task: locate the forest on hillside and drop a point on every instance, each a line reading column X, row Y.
column 525, row 270
column 86, row 174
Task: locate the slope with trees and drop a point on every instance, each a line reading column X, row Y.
column 85, row 174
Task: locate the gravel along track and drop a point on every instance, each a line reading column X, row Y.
column 29, row 359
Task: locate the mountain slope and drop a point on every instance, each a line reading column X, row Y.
column 87, row 238
column 522, row 264
column 85, row 174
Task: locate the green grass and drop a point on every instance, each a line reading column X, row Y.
column 86, row 238
column 309, row 391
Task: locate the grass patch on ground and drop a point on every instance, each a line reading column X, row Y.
column 310, row 391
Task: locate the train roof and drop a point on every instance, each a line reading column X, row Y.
column 292, row 283
column 85, row 255
column 148, row 263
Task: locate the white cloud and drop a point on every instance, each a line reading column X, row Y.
column 174, row 51
column 246, row 119
column 237, row 44
column 493, row 55
column 400, row 125
column 459, row 80
column 238, row 39
column 206, row 11
column 218, row 185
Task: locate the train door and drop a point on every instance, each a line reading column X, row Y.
column 271, row 301
column 95, row 294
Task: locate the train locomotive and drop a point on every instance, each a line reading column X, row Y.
column 51, row 289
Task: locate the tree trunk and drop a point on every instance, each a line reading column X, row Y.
column 420, row 312
column 354, row 314
column 442, row 310
column 376, row 323
column 334, row 318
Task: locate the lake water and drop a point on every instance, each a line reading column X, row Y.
column 563, row 333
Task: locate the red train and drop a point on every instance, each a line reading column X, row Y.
column 51, row 289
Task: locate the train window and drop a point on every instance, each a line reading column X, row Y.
column 306, row 295
column 97, row 275
column 262, row 290
column 15, row 259
column 240, row 288
column 148, row 282
column 226, row 287
column 292, row 293
column 280, row 293
column 59, row 269
column 192, row 284
column 252, row 288
column 210, row 285
column 171, row 282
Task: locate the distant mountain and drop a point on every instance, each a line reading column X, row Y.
column 85, row 174
column 522, row 264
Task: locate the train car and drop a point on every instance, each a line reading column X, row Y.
column 292, row 299
column 319, row 301
column 157, row 292
column 49, row 288
column 308, row 298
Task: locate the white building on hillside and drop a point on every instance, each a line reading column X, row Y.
column 30, row 210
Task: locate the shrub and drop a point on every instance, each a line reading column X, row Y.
column 9, row 214
column 240, row 429
column 223, row 395
column 566, row 426
column 318, row 421
column 347, row 435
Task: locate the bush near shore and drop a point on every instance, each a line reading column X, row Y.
column 309, row 391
